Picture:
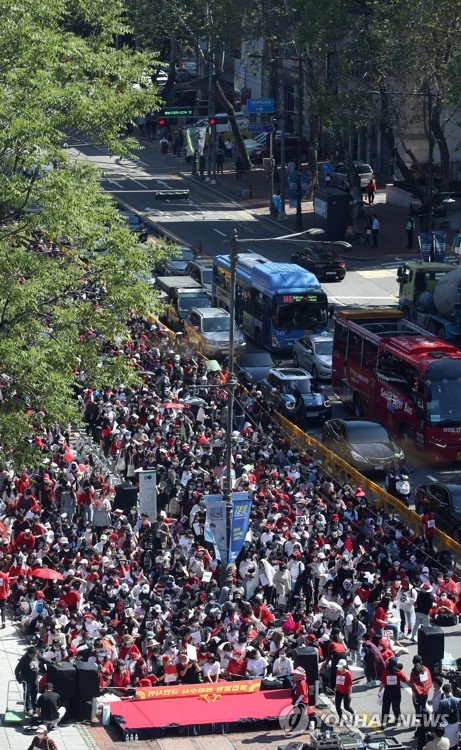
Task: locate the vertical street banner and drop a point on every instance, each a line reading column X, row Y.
column 148, row 493
column 292, row 179
column 240, row 519
column 216, row 525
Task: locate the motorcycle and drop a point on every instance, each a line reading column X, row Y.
column 398, row 485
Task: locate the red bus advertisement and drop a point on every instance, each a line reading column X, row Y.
column 386, row 368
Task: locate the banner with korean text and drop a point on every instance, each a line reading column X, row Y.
column 184, row 691
column 240, row 519
column 216, row 525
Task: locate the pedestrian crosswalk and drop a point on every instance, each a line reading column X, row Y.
column 378, row 273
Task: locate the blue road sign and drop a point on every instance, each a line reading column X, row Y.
column 326, row 167
column 261, row 128
column 260, row 105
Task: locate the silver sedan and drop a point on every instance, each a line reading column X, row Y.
column 314, row 353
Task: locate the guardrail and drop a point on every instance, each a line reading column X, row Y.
column 346, row 474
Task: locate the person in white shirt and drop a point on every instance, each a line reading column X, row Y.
column 211, row 669
column 283, row 666
column 257, row 664
column 437, row 695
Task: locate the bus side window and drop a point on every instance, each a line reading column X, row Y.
column 354, row 351
column 370, row 355
column 340, row 338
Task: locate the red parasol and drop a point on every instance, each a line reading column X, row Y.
column 172, row 405
column 47, row 574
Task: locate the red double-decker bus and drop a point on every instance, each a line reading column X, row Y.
column 388, row 369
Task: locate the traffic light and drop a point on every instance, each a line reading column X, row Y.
column 212, row 121
column 161, row 122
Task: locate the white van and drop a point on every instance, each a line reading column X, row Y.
column 222, row 122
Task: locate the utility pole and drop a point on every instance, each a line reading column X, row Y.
column 299, row 211
column 231, row 379
column 430, row 170
column 282, row 215
column 212, row 128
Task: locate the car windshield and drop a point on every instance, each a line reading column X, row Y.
column 303, row 385
column 182, row 253
column 324, row 348
column 207, row 275
column 188, row 301
column 444, row 402
column 363, row 168
column 256, row 359
column 213, row 325
column 367, row 434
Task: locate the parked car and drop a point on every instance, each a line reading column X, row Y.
column 177, row 264
column 314, row 353
column 136, row 224
column 207, row 329
column 322, row 259
column 252, row 367
column 339, row 175
column 201, row 269
column 291, row 149
column 223, row 124
column 444, row 501
column 280, row 386
column 365, row 445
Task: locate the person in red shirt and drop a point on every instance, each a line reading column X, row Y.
column 84, row 500
column 4, row 591
column 300, row 700
column 428, row 528
column 343, row 689
column 421, row 683
column 121, row 677
column 237, row 666
column 392, row 680
column 262, row 612
column 25, row 541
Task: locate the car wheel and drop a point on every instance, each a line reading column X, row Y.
column 295, row 360
column 357, row 406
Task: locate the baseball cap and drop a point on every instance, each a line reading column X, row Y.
column 41, row 729
column 342, row 663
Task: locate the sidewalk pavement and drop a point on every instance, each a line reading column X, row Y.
column 72, row 737
column 392, row 241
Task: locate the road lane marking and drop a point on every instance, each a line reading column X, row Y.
column 219, row 232
column 137, row 182
column 114, row 182
column 429, row 476
column 379, row 273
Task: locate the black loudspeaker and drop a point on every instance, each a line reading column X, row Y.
column 431, row 647
column 84, row 710
column 87, row 681
column 126, row 497
column 64, row 679
column 307, row 657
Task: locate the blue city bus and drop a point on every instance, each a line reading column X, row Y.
column 275, row 303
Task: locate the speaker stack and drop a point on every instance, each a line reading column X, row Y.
column 307, row 657
column 87, row 691
column 126, row 496
column 431, row 647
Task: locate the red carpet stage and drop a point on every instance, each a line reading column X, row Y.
column 203, row 714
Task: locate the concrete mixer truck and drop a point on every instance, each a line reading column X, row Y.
column 430, row 296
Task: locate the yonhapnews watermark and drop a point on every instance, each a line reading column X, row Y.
column 295, row 720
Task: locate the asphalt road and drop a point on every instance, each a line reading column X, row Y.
column 207, row 220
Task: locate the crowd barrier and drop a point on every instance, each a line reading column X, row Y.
column 346, row 474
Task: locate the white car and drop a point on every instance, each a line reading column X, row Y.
column 250, row 145
column 314, row 353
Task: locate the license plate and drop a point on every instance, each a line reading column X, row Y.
column 378, row 468
column 330, row 273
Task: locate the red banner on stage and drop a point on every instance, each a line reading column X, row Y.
column 197, row 691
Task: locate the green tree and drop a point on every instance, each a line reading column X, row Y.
column 61, row 74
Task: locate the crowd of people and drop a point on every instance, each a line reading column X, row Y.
column 147, row 600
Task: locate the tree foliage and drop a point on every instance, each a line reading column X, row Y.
column 61, row 74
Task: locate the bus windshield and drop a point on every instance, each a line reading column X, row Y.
column 299, row 311
column 444, row 402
